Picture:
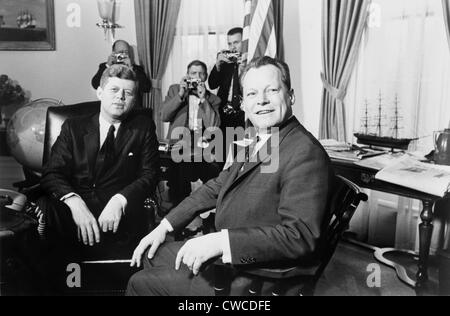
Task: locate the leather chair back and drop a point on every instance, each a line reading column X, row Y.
column 56, row 116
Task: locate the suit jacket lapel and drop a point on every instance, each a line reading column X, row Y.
column 264, row 153
column 262, row 156
column 234, row 172
column 92, row 142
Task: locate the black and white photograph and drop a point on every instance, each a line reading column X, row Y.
column 27, row 25
column 225, row 148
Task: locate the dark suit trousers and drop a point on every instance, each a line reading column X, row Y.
column 159, row 278
column 63, row 237
column 61, row 246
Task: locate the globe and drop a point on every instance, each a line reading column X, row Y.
column 26, row 131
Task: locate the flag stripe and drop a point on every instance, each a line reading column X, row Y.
column 247, row 22
column 272, row 45
column 257, row 25
column 266, row 33
column 259, row 36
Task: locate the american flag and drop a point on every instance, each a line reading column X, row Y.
column 259, row 37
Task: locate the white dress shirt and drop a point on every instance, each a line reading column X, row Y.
column 230, row 93
column 104, row 129
column 194, row 105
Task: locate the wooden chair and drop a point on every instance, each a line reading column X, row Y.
column 301, row 280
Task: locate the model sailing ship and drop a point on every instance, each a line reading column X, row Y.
column 377, row 139
column 25, row 20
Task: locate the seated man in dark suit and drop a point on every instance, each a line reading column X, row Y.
column 122, row 54
column 191, row 108
column 271, row 211
column 101, row 170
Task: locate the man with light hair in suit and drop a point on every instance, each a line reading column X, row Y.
column 263, row 219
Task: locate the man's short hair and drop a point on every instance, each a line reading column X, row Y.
column 198, row 63
column 236, row 30
column 265, row 61
column 118, row 71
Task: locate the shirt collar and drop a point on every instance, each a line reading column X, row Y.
column 104, row 124
column 193, row 99
column 263, row 137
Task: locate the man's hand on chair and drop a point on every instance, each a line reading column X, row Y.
column 153, row 240
column 88, row 231
column 198, row 251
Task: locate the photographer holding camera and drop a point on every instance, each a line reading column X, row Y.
column 191, row 106
column 122, row 55
column 225, row 76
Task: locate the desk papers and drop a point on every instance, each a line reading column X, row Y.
column 420, row 176
column 380, row 162
column 348, row 152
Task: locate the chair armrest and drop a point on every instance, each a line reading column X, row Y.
column 151, row 208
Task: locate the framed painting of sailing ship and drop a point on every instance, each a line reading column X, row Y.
column 27, row 25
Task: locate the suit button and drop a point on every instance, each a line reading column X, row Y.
column 94, row 186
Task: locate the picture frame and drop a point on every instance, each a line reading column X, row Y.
column 27, row 25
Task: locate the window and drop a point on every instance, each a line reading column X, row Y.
column 404, row 62
column 201, row 33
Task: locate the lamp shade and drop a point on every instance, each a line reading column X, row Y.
column 106, row 9
column 109, row 13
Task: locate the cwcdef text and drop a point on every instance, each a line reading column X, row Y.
column 228, row 305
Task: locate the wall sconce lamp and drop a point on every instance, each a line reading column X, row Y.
column 109, row 13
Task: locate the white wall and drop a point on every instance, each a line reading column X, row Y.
column 302, row 36
column 66, row 73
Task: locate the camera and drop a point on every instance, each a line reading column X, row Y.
column 193, row 83
column 232, row 56
column 232, row 109
column 120, row 58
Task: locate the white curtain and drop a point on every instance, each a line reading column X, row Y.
column 404, row 57
column 200, row 34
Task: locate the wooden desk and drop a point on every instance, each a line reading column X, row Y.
column 365, row 178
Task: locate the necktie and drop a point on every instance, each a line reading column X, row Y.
column 107, row 151
column 250, row 150
column 236, row 100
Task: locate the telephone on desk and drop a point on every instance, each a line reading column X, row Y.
column 12, row 200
